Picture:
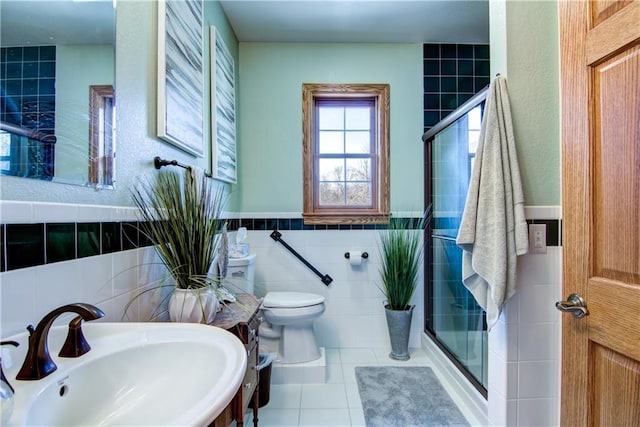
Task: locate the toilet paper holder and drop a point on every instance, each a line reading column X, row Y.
column 365, row 255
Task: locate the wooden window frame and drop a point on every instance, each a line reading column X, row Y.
column 379, row 212
column 101, row 164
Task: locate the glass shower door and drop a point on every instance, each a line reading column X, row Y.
column 453, row 318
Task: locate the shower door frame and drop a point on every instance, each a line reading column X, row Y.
column 427, row 139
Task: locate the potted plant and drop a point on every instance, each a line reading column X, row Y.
column 401, row 249
column 182, row 218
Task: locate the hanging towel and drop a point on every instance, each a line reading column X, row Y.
column 196, row 177
column 493, row 231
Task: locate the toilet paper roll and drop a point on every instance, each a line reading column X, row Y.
column 355, row 257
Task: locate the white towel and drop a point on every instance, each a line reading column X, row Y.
column 197, row 177
column 197, row 173
column 493, row 231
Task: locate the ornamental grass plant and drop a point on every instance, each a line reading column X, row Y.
column 182, row 218
column 401, row 249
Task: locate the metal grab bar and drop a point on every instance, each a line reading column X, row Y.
column 277, row 236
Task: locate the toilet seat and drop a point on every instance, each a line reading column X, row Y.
column 291, row 299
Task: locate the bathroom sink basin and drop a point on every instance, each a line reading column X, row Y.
column 135, row 374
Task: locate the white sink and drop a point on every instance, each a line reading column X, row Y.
column 135, row 374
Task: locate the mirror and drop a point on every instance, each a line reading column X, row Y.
column 57, row 74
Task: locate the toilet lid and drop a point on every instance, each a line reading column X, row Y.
column 291, row 299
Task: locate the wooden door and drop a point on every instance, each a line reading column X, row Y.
column 600, row 69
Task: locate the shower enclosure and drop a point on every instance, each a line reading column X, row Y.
column 453, row 319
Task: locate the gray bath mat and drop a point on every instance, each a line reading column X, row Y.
column 405, row 396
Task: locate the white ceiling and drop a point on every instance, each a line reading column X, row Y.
column 41, row 22
column 359, row 21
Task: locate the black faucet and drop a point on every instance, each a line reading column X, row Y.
column 38, row 363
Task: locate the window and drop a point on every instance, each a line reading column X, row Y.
column 101, row 136
column 346, row 153
column 474, row 124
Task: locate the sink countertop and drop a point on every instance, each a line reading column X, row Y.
column 239, row 311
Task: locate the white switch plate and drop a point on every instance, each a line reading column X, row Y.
column 537, row 238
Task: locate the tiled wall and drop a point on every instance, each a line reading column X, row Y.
column 524, row 350
column 354, row 315
column 27, row 76
column 453, row 73
column 28, row 99
column 33, row 244
column 108, row 279
column 30, row 244
column 116, row 270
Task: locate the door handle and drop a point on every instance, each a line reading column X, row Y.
column 575, row 305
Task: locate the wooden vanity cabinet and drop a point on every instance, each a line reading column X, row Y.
column 242, row 319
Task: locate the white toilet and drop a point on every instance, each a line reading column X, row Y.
column 289, row 318
column 240, row 274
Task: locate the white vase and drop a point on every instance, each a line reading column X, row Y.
column 193, row 305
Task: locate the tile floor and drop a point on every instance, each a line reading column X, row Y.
column 335, row 403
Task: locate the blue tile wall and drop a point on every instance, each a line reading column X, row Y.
column 60, row 242
column 28, row 86
column 24, row 245
column 88, row 239
column 28, row 99
column 452, row 74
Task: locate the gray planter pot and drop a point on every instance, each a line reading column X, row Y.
column 399, row 324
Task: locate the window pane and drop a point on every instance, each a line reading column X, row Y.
column 358, row 142
column 331, row 194
column 475, row 118
column 474, row 138
column 358, row 169
column 358, row 118
column 358, row 194
column 5, row 144
column 331, row 118
column 331, row 169
column 331, row 142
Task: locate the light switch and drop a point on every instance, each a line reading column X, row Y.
column 537, row 238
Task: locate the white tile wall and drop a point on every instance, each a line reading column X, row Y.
column 354, row 315
column 17, row 300
column 107, row 281
column 524, row 351
column 523, row 347
column 16, row 212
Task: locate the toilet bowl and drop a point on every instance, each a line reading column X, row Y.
column 289, row 318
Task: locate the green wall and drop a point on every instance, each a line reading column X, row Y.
column 136, row 93
column 525, row 49
column 270, row 107
column 269, row 79
column 77, row 68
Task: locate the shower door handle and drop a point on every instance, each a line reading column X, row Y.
column 575, row 305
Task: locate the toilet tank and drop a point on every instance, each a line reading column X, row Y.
column 240, row 273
